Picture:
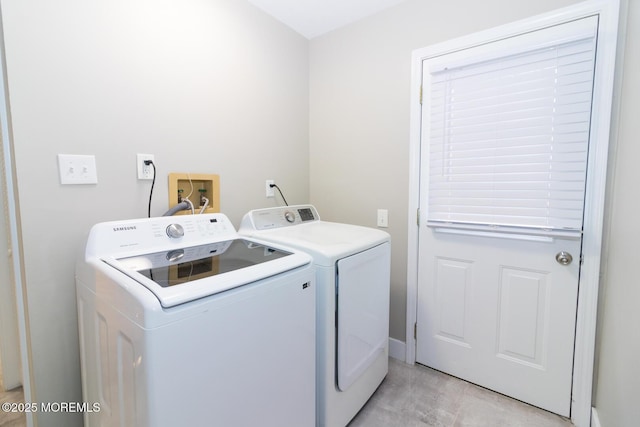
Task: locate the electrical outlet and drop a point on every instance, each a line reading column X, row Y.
column 270, row 191
column 383, row 218
column 77, row 169
column 144, row 171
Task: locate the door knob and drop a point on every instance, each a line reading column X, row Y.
column 564, row 258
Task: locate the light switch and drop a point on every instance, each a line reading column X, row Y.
column 383, row 218
column 77, row 169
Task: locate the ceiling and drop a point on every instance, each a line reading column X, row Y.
column 312, row 18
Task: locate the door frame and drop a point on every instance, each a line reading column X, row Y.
column 9, row 342
column 14, row 233
column 584, row 351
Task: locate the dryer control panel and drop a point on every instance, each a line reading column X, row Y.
column 285, row 216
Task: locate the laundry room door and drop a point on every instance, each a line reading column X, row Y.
column 505, row 138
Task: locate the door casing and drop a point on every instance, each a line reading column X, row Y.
column 14, row 235
column 608, row 12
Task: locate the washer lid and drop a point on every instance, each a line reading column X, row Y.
column 325, row 241
column 181, row 275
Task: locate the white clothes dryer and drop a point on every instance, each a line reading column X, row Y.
column 184, row 323
column 353, row 284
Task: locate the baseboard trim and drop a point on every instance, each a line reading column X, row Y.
column 397, row 349
column 595, row 420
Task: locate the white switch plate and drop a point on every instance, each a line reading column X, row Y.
column 383, row 218
column 77, row 169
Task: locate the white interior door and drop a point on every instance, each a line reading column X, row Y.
column 502, row 184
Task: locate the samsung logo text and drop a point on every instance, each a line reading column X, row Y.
column 125, row 228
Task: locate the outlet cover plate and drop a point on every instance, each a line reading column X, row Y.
column 269, row 190
column 144, row 171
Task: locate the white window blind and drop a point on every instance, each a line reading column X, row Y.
column 508, row 140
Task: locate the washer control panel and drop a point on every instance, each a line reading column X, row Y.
column 285, row 216
column 161, row 233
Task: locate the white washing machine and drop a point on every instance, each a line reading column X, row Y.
column 184, row 323
column 353, row 284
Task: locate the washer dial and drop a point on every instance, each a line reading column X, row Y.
column 289, row 216
column 175, row 231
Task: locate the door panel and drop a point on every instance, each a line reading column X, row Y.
column 522, row 315
column 453, row 286
column 499, row 313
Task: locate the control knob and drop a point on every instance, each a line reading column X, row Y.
column 289, row 216
column 175, row 231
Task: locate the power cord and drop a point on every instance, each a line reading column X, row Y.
column 279, row 191
column 149, row 162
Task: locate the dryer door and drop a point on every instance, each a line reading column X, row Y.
column 363, row 311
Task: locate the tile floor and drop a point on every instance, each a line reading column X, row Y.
column 417, row 396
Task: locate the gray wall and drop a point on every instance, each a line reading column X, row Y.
column 359, row 146
column 206, row 86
